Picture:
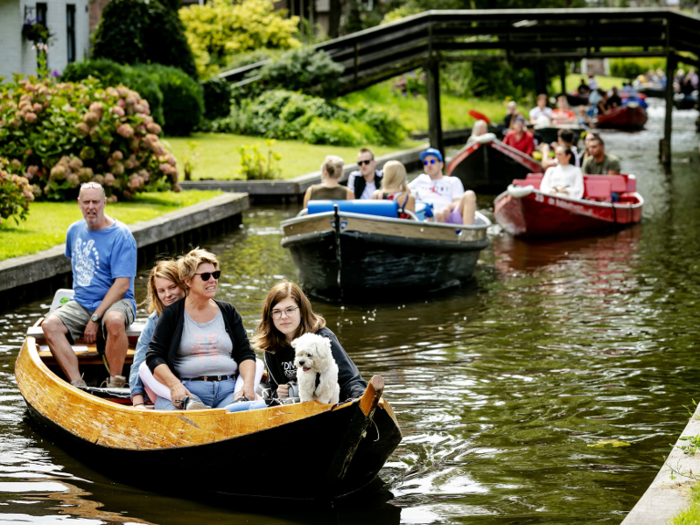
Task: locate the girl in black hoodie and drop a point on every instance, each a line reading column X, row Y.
column 286, row 315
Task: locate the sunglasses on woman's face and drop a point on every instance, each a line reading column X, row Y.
column 361, row 162
column 206, row 275
column 431, row 161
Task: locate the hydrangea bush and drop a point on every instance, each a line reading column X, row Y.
column 60, row 135
column 15, row 191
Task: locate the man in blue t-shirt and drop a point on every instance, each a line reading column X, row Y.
column 102, row 251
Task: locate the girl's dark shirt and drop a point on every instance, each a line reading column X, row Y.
column 281, row 369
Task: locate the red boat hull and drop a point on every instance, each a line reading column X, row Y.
column 624, row 117
column 543, row 215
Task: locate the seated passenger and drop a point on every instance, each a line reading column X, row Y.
column 564, row 179
column 595, row 97
column 286, row 315
column 200, row 345
column 598, row 163
column 519, row 138
column 540, row 109
column 478, row 129
column 602, row 106
column 566, row 138
column 164, row 288
column 395, row 188
column 583, row 88
column 363, row 182
column 614, row 100
column 511, row 109
column 330, row 188
column 451, row 203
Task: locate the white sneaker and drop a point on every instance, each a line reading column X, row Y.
column 114, row 382
column 79, row 383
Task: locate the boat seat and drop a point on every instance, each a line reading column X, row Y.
column 114, row 394
column 534, row 180
column 378, row 208
column 631, row 184
column 597, row 188
column 132, row 332
column 618, row 184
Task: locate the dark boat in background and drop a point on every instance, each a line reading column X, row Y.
column 523, row 210
column 651, row 90
column 681, row 101
column 341, row 254
column 487, row 165
column 630, row 116
column 577, row 99
column 164, row 450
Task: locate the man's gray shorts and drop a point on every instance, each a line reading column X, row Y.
column 76, row 318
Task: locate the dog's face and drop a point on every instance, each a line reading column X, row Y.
column 313, row 352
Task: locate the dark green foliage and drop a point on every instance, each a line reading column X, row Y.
column 304, row 70
column 136, row 31
column 183, row 103
column 217, row 98
column 281, row 114
column 110, row 73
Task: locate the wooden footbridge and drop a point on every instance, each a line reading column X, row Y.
column 432, row 37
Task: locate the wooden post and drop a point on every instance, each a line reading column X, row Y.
column 562, row 76
column 665, row 143
column 541, row 78
column 432, row 80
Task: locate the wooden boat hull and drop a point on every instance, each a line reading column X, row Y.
column 625, row 117
column 490, row 167
column 365, row 255
column 542, row 215
column 213, row 452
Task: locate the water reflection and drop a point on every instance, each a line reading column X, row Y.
column 501, row 386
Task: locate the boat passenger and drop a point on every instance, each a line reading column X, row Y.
column 395, row 188
column 286, row 315
column 102, row 251
column 565, row 178
column 330, row 188
column 602, row 106
column 451, row 203
column 540, row 109
column 595, row 97
column 598, row 162
column 614, row 100
column 583, row 88
column 164, row 289
column 511, row 109
column 592, row 82
column 365, row 181
column 566, row 138
column 199, row 345
column 519, row 138
column 478, row 129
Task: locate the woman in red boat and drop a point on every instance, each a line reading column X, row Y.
column 395, row 188
column 519, row 138
column 564, row 179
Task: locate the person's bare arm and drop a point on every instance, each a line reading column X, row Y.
column 115, row 293
column 177, row 390
column 307, row 197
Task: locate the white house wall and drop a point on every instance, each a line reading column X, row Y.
column 16, row 53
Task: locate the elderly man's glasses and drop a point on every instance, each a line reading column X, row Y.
column 206, row 275
column 361, row 162
column 288, row 312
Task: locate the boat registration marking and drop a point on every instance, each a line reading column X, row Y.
column 553, row 201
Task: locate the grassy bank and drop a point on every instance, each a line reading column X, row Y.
column 219, row 156
column 47, row 222
column 691, row 515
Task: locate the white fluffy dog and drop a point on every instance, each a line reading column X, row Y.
column 317, row 371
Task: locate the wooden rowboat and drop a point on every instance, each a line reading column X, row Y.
column 489, row 166
column 523, row 210
column 345, row 255
column 629, row 117
column 208, row 453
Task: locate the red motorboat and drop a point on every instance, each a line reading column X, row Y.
column 524, row 210
column 487, row 165
column 631, row 116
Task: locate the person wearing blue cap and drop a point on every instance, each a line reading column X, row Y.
column 451, row 203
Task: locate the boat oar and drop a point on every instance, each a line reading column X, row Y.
column 479, row 116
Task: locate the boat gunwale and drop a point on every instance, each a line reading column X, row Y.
column 523, row 159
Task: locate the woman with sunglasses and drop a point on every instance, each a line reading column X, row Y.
column 200, row 346
column 164, row 289
column 330, row 188
column 286, row 315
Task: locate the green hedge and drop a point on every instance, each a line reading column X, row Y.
column 288, row 115
column 217, row 98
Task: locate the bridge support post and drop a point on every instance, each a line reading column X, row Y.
column 432, row 80
column 665, row 143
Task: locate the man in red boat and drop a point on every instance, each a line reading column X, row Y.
column 519, row 138
column 450, row 202
column 102, row 251
column 598, row 163
column 363, row 182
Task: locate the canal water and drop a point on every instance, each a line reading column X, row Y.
column 506, row 389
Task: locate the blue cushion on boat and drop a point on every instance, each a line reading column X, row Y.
column 242, row 406
column 379, row 208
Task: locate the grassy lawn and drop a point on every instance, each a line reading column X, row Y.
column 219, row 157
column 413, row 111
column 47, row 222
column 691, row 515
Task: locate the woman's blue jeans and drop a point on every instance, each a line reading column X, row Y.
column 215, row 394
